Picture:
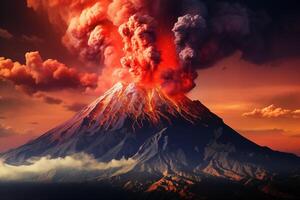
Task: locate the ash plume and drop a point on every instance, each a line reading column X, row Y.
column 86, row 34
column 141, row 54
column 89, row 27
column 84, row 27
column 189, row 32
column 200, row 33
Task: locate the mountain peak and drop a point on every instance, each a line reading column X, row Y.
column 139, row 104
column 118, row 116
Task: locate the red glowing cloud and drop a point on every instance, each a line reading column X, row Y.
column 46, row 75
column 141, row 55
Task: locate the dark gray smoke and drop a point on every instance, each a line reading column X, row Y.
column 189, row 31
column 207, row 32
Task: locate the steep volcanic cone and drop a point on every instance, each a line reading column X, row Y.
column 162, row 134
column 124, row 116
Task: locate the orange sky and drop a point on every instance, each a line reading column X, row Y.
column 234, row 87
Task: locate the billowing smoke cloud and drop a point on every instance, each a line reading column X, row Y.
column 189, row 31
column 203, row 39
column 89, row 26
column 141, row 55
column 38, row 75
column 76, row 167
column 235, row 27
column 231, row 19
column 204, row 32
column 119, row 11
column 83, row 24
column 87, row 35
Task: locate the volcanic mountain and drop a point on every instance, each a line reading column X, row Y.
column 175, row 140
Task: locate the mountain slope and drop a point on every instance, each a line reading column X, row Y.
column 163, row 135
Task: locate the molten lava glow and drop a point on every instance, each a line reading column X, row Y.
column 150, row 97
column 166, row 46
column 142, row 104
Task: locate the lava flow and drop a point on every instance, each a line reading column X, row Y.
column 141, row 105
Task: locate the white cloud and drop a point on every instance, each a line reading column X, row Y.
column 296, row 113
column 76, row 167
column 272, row 111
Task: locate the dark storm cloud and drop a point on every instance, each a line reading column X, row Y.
column 273, row 31
column 270, row 27
column 261, row 35
column 188, row 31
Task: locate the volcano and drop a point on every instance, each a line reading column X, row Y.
column 173, row 141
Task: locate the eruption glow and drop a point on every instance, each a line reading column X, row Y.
column 160, row 46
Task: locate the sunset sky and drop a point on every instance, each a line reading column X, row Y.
column 259, row 100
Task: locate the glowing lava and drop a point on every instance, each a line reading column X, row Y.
column 132, row 101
